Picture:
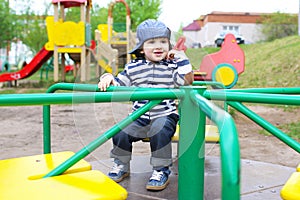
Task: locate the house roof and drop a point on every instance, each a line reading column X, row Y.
column 235, row 17
column 230, row 17
column 195, row 26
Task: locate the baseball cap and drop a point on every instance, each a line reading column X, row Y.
column 150, row 29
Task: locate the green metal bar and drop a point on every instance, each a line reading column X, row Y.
column 100, row 140
column 292, row 90
column 46, row 129
column 229, row 146
column 73, row 87
column 191, row 150
column 94, row 88
column 86, row 97
column 252, row 97
column 266, row 125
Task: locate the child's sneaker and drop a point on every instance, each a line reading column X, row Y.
column 119, row 172
column 159, row 179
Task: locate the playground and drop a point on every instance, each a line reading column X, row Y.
column 85, row 125
column 71, row 134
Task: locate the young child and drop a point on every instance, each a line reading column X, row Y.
column 156, row 66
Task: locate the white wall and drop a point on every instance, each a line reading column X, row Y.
column 206, row 36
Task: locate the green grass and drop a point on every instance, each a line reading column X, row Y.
column 272, row 64
column 291, row 129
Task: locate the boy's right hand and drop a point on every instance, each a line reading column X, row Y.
column 105, row 81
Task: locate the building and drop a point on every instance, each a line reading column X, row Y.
column 205, row 29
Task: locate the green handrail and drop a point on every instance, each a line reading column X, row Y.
column 291, row 90
column 229, row 146
column 224, row 95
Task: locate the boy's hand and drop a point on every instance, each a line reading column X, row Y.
column 178, row 54
column 178, row 50
column 105, row 81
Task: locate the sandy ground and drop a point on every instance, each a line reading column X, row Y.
column 74, row 126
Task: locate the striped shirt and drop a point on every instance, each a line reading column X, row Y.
column 163, row 74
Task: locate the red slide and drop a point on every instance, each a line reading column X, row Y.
column 39, row 59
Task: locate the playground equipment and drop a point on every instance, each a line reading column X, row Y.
column 106, row 56
column 122, row 41
column 114, row 41
column 70, row 37
column 223, row 66
column 291, row 190
column 64, row 37
column 195, row 107
column 41, row 57
column 74, row 39
column 79, row 182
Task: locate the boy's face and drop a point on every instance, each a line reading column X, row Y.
column 156, row 49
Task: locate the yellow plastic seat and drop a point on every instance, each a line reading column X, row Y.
column 21, row 178
column 291, row 189
column 211, row 134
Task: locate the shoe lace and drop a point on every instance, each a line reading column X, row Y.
column 116, row 168
column 156, row 175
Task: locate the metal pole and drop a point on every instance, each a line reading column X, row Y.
column 229, row 147
column 46, row 129
column 191, row 150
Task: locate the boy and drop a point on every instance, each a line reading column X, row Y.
column 156, row 66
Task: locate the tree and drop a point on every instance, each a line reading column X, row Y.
column 7, row 23
column 140, row 10
column 29, row 27
column 279, row 25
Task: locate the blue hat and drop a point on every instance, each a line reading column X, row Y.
column 150, row 29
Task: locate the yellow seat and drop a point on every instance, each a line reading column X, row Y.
column 21, row 178
column 211, row 134
column 291, row 189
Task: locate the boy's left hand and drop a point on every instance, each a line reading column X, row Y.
column 177, row 54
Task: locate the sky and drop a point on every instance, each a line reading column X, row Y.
column 182, row 12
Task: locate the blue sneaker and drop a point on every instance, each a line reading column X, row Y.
column 118, row 172
column 159, row 180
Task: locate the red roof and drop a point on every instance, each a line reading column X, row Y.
column 192, row 27
column 71, row 3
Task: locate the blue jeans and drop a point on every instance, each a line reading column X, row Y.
column 159, row 131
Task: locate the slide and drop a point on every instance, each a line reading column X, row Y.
column 39, row 59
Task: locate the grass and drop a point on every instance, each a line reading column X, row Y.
column 272, row 64
column 268, row 64
column 291, row 129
